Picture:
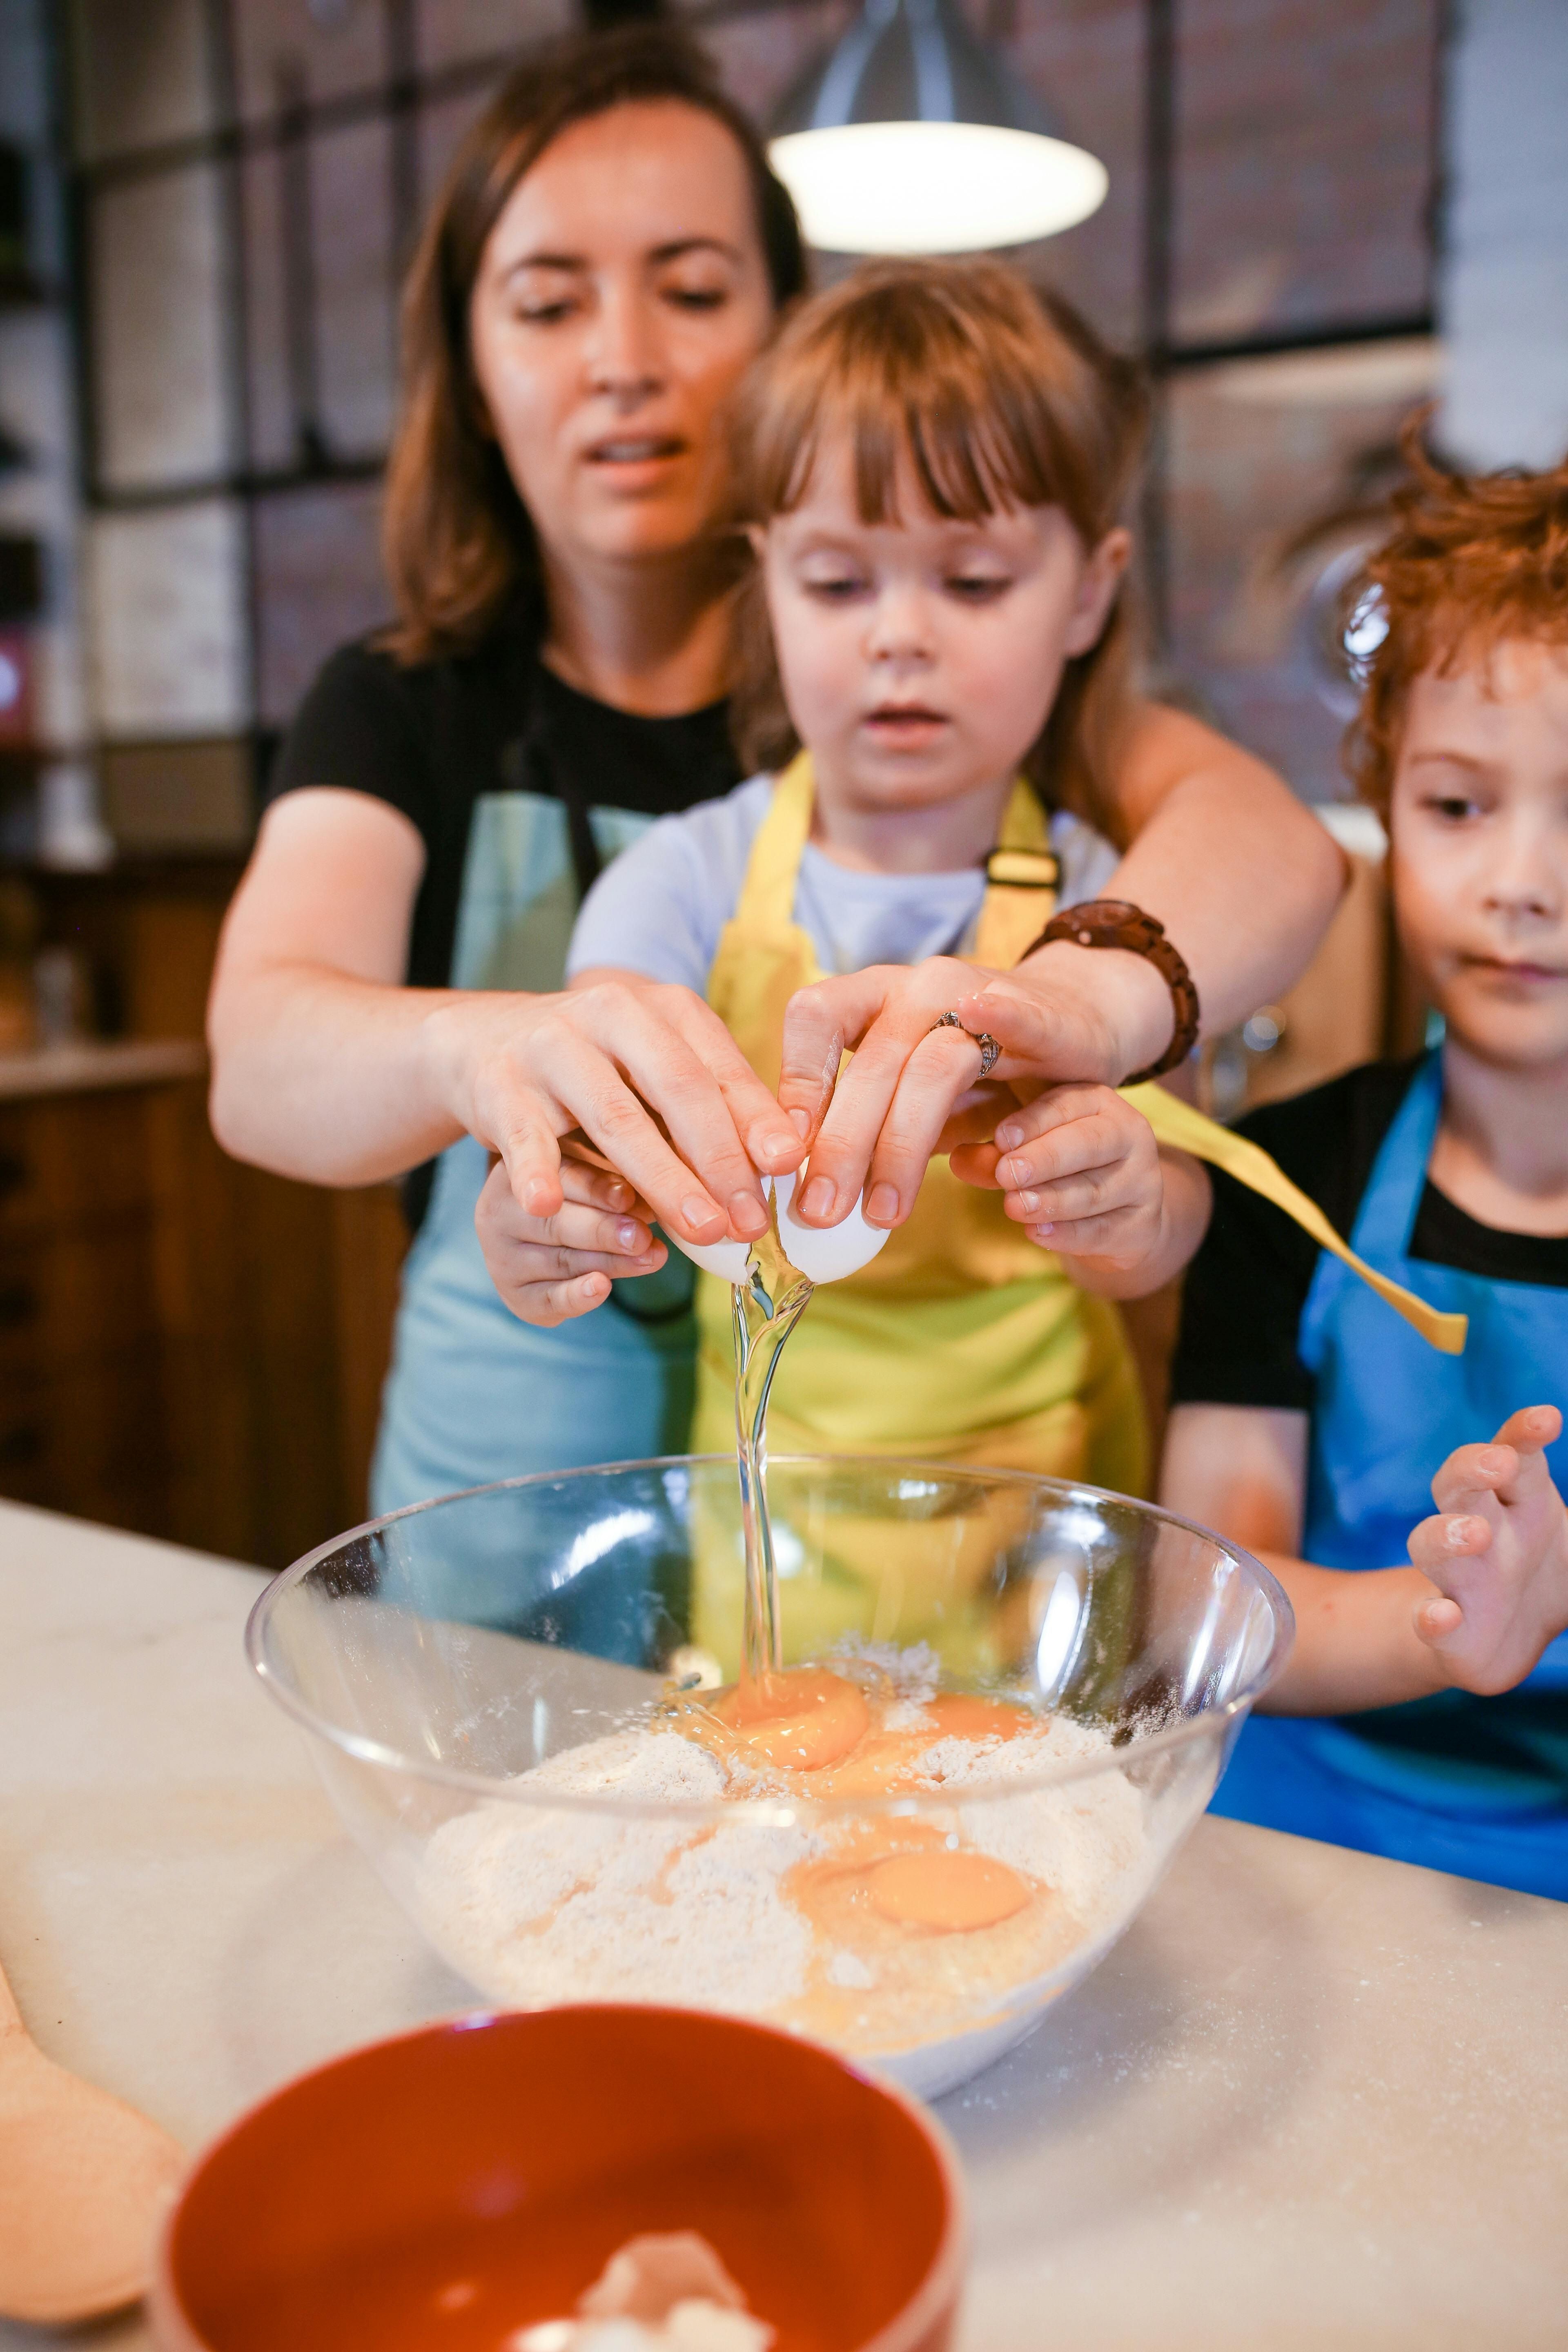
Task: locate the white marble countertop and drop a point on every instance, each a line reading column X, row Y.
column 1310, row 2098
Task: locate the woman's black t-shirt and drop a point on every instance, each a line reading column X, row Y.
column 433, row 739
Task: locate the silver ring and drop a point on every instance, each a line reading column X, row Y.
column 990, row 1051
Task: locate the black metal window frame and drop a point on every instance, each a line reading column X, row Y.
column 399, row 97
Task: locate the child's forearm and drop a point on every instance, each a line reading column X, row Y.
column 1356, row 1644
column 1183, row 1219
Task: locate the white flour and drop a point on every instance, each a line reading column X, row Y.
column 542, row 1907
column 537, row 1906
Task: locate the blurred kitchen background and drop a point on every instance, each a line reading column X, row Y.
column 1320, row 212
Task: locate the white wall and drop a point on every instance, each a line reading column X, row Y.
column 1504, row 297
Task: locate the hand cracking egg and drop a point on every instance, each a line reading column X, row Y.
column 728, row 1260
column 822, row 1252
column 826, row 1253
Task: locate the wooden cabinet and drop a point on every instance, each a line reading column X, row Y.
column 83, row 1420
column 188, row 1348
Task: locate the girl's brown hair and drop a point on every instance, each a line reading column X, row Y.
column 996, row 395
column 457, row 541
column 1472, row 559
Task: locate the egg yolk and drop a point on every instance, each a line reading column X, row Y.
column 813, row 1722
column 948, row 1891
column 805, row 1719
column 908, row 1874
column 957, row 1714
column 886, row 1761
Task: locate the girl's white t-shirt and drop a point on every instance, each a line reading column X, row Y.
column 660, row 907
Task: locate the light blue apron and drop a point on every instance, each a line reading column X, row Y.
column 1475, row 1786
column 473, row 1393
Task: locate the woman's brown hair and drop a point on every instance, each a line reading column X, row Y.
column 996, row 395
column 457, row 540
column 1472, row 559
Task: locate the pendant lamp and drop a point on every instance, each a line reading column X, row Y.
column 914, row 136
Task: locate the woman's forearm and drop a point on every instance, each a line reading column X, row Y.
column 320, row 1058
column 1244, row 877
column 326, row 1068
column 1356, row 1644
column 328, row 1079
column 1245, row 882
column 340, row 1080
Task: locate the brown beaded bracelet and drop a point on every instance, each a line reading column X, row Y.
column 1117, row 923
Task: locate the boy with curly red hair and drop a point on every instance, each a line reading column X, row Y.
column 1307, row 1422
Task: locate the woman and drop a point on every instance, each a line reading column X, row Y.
column 609, row 254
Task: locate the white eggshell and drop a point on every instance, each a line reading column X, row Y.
column 728, row 1260
column 822, row 1252
column 828, row 1253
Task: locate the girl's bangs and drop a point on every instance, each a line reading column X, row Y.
column 971, row 445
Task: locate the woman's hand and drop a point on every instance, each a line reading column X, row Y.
column 1497, row 1553
column 650, row 1075
column 1071, row 1013
column 552, row 1270
column 326, row 1068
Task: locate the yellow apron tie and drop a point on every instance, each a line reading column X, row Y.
column 1017, row 906
column 962, row 1341
column 1180, row 1126
column 962, row 1338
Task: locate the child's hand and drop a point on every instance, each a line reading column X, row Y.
column 1080, row 1170
column 1498, row 1552
column 552, row 1270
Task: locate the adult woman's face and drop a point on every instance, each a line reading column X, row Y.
column 622, row 293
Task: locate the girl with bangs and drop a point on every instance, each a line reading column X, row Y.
column 934, row 677
column 609, row 254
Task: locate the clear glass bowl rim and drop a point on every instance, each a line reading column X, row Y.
column 778, row 1809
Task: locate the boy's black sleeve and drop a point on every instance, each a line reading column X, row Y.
column 1241, row 1307
column 1245, row 1289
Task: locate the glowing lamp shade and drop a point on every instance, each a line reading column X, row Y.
column 912, row 136
column 934, row 187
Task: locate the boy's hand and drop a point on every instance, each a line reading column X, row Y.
column 549, row 1270
column 1497, row 1553
column 1080, row 1170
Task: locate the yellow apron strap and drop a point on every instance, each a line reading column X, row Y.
column 763, row 955
column 1017, row 906
column 1021, row 877
column 1185, row 1129
column 766, row 904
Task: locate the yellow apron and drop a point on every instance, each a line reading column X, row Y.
column 963, row 1340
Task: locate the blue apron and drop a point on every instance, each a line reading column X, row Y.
column 1475, row 1786
column 474, row 1394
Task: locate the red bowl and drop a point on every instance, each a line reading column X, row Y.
column 447, row 2189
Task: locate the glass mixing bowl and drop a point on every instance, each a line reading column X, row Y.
column 500, row 1684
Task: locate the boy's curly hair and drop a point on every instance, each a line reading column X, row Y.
column 1472, row 560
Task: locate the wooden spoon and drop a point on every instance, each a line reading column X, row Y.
column 85, row 2182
